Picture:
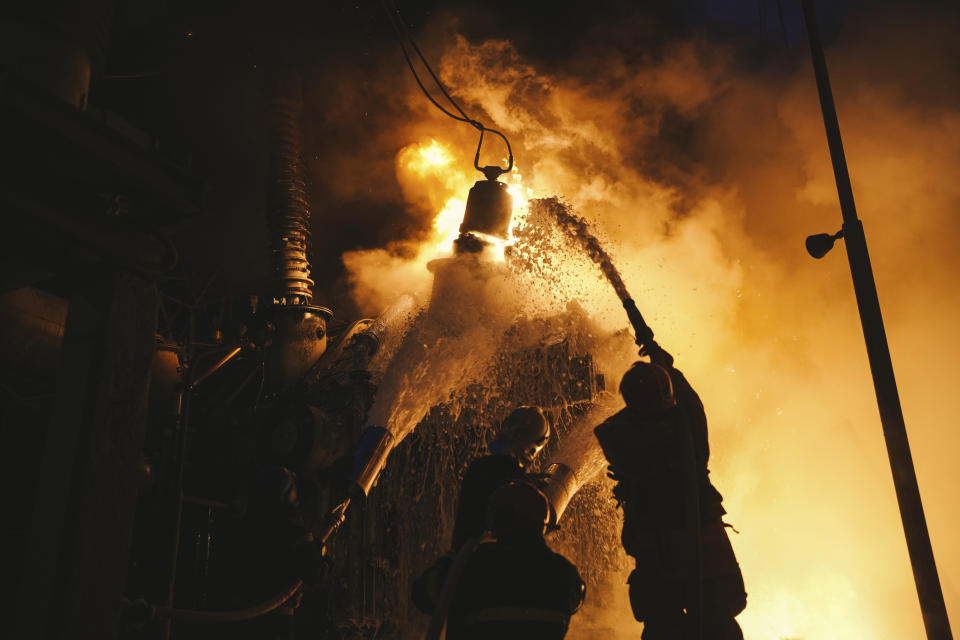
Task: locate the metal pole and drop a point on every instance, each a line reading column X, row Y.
column 932, row 605
column 180, row 448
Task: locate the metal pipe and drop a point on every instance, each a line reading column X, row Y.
column 209, row 372
column 929, row 592
column 183, row 405
column 371, row 339
column 239, row 615
column 373, row 451
column 369, row 459
column 180, row 447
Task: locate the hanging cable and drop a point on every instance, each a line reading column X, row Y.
column 762, row 17
column 783, row 24
column 404, row 36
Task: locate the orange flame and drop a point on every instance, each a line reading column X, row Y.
column 430, row 174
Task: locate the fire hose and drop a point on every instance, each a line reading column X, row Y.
column 692, row 507
column 439, row 619
column 150, row 612
column 369, row 460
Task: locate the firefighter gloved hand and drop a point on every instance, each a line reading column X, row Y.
column 539, row 480
column 311, row 561
column 428, row 586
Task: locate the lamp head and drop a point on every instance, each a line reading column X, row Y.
column 818, row 245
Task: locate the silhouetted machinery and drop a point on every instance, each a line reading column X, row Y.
column 249, row 417
column 261, row 450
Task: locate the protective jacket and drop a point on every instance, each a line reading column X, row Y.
column 482, row 477
column 515, row 588
column 659, row 462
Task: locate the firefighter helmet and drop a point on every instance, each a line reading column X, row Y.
column 647, row 388
column 524, row 433
column 518, row 507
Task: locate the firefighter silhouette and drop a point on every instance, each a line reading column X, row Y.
column 523, row 434
column 512, row 586
column 687, row 582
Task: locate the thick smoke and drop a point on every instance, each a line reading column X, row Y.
column 702, row 179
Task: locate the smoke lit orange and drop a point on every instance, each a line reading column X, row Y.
column 770, row 339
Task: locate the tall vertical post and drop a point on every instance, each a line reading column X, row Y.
column 925, row 575
column 77, row 554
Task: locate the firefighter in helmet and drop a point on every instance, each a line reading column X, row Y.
column 687, row 583
column 514, row 587
column 523, row 434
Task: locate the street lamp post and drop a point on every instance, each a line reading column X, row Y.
column 925, row 575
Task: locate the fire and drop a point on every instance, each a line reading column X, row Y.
column 426, row 156
column 522, row 194
column 429, row 170
column 432, row 180
column 446, row 225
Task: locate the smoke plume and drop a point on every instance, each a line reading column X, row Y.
column 702, row 177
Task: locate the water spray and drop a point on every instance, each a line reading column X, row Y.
column 576, row 227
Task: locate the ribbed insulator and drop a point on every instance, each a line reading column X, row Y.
column 288, row 207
